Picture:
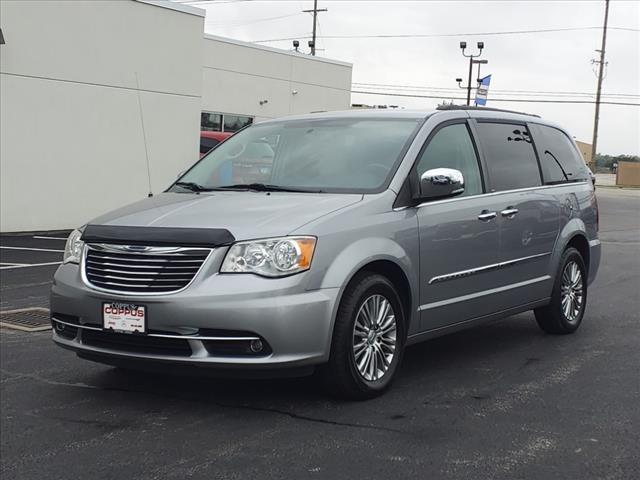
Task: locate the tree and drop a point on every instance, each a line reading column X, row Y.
column 607, row 161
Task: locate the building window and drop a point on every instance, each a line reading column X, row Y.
column 211, row 122
column 222, row 122
column 233, row 123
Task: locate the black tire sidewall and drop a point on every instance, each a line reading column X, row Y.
column 570, row 255
column 358, row 291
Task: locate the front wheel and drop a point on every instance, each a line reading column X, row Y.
column 368, row 339
column 569, row 297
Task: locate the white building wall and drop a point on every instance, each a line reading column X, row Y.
column 237, row 76
column 71, row 137
column 71, row 142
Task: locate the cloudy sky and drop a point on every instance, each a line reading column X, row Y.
column 538, row 62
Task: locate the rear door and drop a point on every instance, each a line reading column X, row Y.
column 459, row 236
column 528, row 215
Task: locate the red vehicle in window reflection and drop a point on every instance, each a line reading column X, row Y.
column 251, row 163
column 209, row 139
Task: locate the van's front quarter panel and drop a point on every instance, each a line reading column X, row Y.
column 361, row 234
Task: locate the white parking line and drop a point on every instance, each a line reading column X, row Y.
column 48, row 238
column 30, row 265
column 13, row 264
column 33, row 249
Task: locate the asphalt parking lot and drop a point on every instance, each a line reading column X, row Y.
column 27, row 263
column 499, row 401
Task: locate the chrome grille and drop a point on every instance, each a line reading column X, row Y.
column 141, row 270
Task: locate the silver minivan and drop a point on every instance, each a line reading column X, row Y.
column 331, row 241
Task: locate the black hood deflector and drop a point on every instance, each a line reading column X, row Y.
column 157, row 236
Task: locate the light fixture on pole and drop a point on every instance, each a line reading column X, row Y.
column 463, row 47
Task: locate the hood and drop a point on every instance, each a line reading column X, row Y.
column 246, row 215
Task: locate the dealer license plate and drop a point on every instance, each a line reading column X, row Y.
column 124, row 317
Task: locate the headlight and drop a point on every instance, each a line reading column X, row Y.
column 73, row 248
column 273, row 257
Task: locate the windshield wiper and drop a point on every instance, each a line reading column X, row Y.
column 263, row 187
column 194, row 187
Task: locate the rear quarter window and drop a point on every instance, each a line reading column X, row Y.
column 560, row 159
column 509, row 154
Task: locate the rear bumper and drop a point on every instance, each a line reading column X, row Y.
column 224, row 310
column 595, row 252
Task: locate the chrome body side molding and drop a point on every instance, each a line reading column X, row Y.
column 483, row 293
column 485, row 268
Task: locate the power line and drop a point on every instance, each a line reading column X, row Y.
column 418, row 88
column 235, row 24
column 438, row 35
column 516, row 100
column 508, row 32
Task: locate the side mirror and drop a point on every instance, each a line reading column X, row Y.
column 441, row 182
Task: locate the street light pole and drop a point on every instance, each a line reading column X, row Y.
column 469, row 80
column 463, row 46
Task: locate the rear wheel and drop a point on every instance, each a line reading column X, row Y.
column 569, row 298
column 368, row 339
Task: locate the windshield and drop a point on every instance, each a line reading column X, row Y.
column 328, row 155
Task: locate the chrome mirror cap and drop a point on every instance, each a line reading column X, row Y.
column 441, row 182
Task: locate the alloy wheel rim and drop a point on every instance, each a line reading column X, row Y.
column 572, row 291
column 374, row 337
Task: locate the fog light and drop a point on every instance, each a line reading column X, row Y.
column 256, row 346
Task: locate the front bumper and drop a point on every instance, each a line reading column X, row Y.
column 294, row 323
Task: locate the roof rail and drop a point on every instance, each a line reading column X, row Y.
column 488, row 109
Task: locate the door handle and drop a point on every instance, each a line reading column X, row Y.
column 509, row 212
column 486, row 215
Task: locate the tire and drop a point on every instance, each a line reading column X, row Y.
column 564, row 313
column 342, row 375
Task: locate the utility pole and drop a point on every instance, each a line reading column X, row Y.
column 315, row 12
column 601, row 65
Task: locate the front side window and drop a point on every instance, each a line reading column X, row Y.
column 328, row 155
column 511, row 159
column 451, row 147
column 561, row 161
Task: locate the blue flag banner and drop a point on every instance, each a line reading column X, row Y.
column 483, row 90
